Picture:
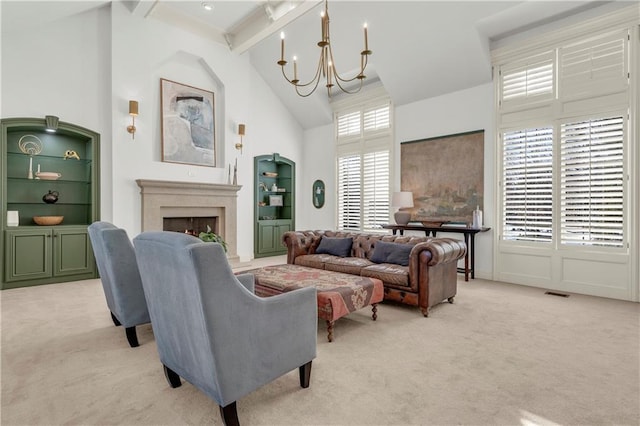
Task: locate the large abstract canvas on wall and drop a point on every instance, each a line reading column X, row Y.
column 188, row 128
column 446, row 176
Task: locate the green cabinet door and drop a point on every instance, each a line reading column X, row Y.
column 42, row 255
column 270, row 236
column 72, row 252
column 27, row 254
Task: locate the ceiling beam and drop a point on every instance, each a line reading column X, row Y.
column 265, row 21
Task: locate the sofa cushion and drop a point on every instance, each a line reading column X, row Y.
column 335, row 246
column 312, row 260
column 347, row 265
column 389, row 273
column 397, row 253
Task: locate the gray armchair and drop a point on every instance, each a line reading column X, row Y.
column 210, row 327
column 120, row 277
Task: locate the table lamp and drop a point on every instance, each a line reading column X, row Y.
column 403, row 199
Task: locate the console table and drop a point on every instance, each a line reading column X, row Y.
column 469, row 240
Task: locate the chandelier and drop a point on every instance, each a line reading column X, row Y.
column 326, row 65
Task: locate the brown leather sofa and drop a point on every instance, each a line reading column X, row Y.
column 429, row 279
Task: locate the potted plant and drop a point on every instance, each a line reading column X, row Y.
column 212, row 237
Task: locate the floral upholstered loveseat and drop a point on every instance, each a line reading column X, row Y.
column 417, row 271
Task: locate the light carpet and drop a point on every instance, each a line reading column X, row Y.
column 501, row 355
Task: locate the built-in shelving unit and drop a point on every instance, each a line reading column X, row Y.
column 35, row 254
column 274, row 211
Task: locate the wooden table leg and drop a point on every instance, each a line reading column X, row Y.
column 330, row 330
column 466, row 257
column 374, row 309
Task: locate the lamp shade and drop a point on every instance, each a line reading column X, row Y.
column 241, row 129
column 133, row 107
column 402, row 199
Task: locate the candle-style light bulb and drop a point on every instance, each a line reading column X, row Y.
column 295, row 68
column 282, row 46
column 323, row 26
column 366, row 40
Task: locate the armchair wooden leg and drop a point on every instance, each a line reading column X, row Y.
column 229, row 415
column 132, row 337
column 172, row 377
column 115, row 320
column 305, row 374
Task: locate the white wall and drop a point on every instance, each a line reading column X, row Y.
column 84, row 69
column 319, row 163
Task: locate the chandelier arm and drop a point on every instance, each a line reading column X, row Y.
column 350, row 92
column 316, row 77
column 315, row 80
column 345, row 80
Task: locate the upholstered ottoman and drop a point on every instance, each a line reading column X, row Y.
column 338, row 294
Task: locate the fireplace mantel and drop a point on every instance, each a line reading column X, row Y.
column 174, row 199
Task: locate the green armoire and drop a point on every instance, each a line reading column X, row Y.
column 34, row 164
column 274, row 199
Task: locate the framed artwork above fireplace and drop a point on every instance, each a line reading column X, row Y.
column 188, row 124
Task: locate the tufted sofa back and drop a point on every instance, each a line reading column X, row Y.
column 363, row 244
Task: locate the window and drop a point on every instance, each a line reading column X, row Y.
column 364, row 165
column 565, row 176
column 528, row 80
column 349, row 192
column 527, row 184
column 592, row 182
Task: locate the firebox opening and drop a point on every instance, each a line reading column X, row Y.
column 190, row 225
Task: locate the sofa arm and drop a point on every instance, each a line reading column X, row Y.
column 442, row 250
column 431, row 253
column 298, row 243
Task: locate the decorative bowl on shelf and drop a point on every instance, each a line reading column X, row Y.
column 270, row 174
column 48, row 220
column 432, row 224
column 48, row 175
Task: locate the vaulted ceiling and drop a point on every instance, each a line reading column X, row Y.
column 421, row 49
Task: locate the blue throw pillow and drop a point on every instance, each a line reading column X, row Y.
column 335, row 246
column 397, row 253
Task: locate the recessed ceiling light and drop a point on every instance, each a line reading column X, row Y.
column 207, row 6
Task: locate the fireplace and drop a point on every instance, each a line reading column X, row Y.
column 190, row 225
column 191, row 200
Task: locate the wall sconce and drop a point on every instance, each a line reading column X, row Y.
column 51, row 123
column 133, row 111
column 241, row 133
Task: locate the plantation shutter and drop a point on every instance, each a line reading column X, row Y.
column 596, row 65
column 349, row 124
column 527, row 184
column 376, row 189
column 592, row 182
column 377, row 118
column 364, row 143
column 349, row 188
column 528, row 80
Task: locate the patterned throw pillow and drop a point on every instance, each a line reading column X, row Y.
column 397, row 253
column 335, row 246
